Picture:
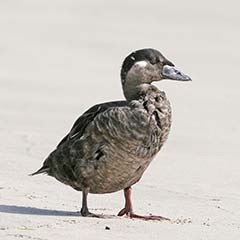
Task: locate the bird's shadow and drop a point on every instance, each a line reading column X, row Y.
column 13, row 209
column 35, row 211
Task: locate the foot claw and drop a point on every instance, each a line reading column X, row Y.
column 91, row 215
column 150, row 217
column 86, row 213
column 133, row 215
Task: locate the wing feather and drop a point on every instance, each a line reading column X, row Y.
column 83, row 121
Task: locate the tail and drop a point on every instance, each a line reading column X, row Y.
column 43, row 169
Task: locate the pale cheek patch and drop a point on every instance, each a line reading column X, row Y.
column 141, row 64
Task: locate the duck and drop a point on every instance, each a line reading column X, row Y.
column 110, row 146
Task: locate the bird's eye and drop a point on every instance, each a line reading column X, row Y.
column 153, row 61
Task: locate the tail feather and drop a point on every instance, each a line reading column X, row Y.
column 43, row 169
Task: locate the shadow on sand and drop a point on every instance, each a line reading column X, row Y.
column 35, row 211
column 12, row 209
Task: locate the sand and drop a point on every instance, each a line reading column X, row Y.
column 53, row 52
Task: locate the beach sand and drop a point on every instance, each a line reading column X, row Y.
column 57, row 58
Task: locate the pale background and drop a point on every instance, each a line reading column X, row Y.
column 57, row 58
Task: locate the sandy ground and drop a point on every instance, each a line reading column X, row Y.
column 57, row 58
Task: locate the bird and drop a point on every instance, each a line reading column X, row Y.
column 110, row 146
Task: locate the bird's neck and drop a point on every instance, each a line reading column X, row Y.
column 133, row 88
column 134, row 91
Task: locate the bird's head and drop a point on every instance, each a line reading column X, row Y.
column 148, row 65
column 142, row 67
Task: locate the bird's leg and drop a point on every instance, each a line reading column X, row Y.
column 128, row 204
column 84, row 210
column 128, row 210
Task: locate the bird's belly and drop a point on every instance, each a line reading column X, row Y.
column 120, row 166
column 114, row 174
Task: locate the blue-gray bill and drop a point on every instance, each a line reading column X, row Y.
column 170, row 72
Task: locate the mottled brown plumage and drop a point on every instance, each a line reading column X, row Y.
column 110, row 146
